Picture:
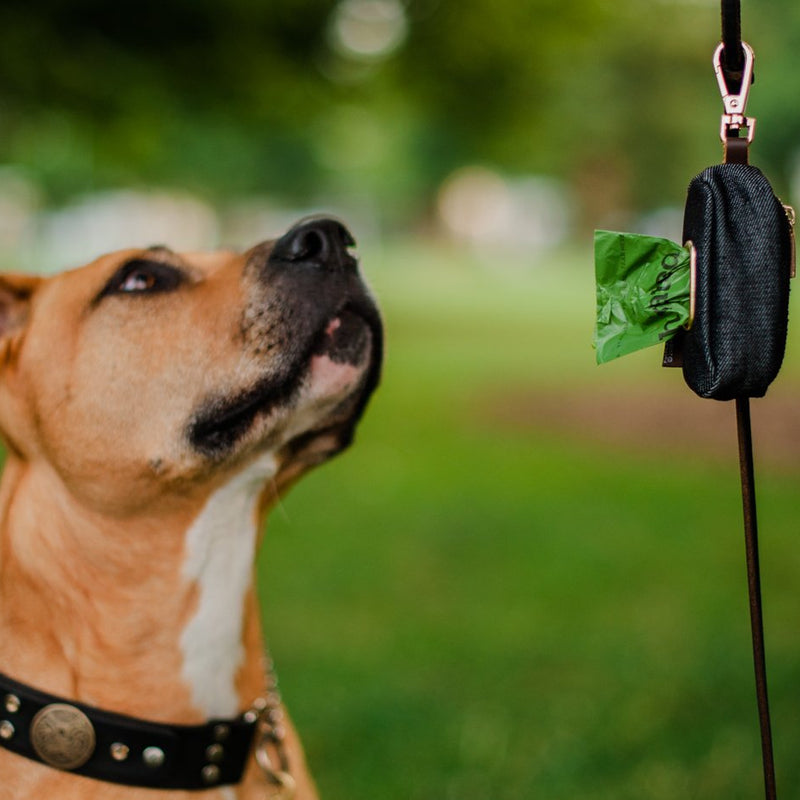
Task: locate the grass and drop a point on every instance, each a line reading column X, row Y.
column 460, row 609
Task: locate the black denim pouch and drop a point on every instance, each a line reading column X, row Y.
column 744, row 249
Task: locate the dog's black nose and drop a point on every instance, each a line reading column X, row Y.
column 319, row 241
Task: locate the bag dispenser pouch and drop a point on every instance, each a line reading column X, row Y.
column 743, row 238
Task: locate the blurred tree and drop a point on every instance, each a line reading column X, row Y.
column 94, row 92
column 248, row 96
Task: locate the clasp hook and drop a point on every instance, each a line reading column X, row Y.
column 734, row 119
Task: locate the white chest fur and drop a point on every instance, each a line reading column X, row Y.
column 220, row 551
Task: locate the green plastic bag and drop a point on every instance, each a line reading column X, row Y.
column 643, row 292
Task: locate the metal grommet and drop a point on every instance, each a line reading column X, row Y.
column 221, row 732
column 6, row 730
column 215, row 753
column 11, row 703
column 119, row 751
column 153, row 756
column 210, row 774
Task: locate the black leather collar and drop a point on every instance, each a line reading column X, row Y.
column 113, row 747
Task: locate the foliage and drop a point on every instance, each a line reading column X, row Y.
column 617, row 99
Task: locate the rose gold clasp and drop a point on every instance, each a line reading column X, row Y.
column 734, row 120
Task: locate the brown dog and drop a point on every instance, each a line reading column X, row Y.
column 154, row 405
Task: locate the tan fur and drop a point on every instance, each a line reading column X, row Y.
column 99, row 490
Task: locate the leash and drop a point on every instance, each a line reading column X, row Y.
column 733, row 63
column 747, row 473
column 737, row 78
column 734, row 68
column 733, row 53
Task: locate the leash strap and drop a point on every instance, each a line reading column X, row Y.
column 733, row 60
column 747, row 472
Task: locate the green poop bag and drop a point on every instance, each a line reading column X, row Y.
column 643, row 292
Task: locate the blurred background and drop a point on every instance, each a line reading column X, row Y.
column 527, row 579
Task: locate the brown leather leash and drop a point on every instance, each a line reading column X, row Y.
column 754, row 589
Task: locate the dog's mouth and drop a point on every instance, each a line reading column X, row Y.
column 346, row 338
column 351, row 341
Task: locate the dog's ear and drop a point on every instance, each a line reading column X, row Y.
column 16, row 291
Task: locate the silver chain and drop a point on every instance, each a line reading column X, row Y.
column 270, row 748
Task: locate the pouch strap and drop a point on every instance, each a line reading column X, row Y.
column 736, row 150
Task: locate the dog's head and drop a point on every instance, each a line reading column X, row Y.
column 149, row 372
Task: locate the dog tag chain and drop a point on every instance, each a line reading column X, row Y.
column 270, row 739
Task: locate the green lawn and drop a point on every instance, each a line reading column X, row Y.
column 464, row 607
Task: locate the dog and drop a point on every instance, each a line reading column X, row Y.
column 154, row 405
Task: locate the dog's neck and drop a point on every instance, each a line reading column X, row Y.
column 220, row 553
column 155, row 618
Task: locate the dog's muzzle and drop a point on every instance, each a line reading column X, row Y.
column 317, row 250
column 311, row 302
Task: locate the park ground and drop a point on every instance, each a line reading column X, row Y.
column 526, row 579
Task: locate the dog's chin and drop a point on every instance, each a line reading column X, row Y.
column 346, row 339
column 325, row 391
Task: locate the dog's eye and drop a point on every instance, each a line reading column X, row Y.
column 142, row 276
column 138, row 281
